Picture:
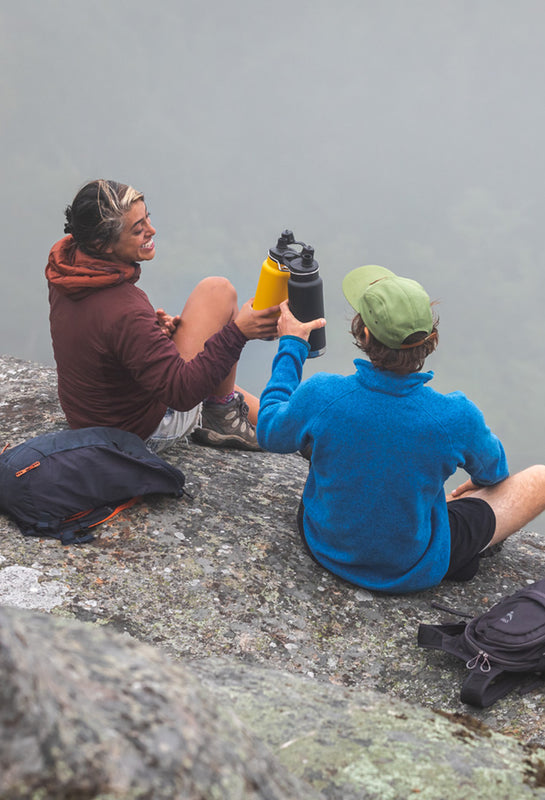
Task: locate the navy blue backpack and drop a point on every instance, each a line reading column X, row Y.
column 63, row 484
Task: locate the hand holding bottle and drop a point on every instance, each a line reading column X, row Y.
column 257, row 324
column 288, row 325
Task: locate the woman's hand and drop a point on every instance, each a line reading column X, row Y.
column 288, row 325
column 257, row 324
column 167, row 323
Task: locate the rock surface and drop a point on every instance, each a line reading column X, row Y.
column 223, row 585
column 98, row 715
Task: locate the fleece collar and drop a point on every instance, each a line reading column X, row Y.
column 378, row 380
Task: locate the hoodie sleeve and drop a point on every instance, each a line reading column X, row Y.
column 155, row 364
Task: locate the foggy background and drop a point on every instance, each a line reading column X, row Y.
column 407, row 133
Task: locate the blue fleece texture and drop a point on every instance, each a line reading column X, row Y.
column 383, row 446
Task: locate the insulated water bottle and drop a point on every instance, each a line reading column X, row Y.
column 306, row 296
column 293, row 274
column 272, row 287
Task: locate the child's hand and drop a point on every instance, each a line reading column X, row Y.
column 288, row 325
column 468, row 487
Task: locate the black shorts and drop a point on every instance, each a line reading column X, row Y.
column 472, row 525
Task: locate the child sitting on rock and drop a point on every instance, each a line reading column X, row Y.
column 383, row 443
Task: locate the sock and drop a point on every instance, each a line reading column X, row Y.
column 214, row 400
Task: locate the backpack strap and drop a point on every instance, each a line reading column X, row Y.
column 67, row 534
column 447, row 637
column 482, row 689
column 69, row 537
column 117, row 510
column 72, row 529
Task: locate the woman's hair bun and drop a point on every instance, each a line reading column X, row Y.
column 68, row 215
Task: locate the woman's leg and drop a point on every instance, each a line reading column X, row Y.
column 226, row 420
column 252, row 402
column 211, row 305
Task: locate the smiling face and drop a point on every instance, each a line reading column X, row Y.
column 135, row 242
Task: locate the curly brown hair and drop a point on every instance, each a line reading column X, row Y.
column 401, row 361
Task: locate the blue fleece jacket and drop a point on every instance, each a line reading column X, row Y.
column 383, row 446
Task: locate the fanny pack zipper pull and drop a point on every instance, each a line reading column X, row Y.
column 481, row 660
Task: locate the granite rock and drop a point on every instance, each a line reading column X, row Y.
column 224, row 580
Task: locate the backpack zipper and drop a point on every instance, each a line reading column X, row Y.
column 480, row 660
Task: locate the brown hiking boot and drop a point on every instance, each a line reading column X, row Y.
column 227, row 425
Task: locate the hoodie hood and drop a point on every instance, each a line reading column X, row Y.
column 74, row 273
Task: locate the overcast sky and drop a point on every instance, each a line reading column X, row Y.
column 407, row 133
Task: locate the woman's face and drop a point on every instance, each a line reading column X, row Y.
column 135, row 242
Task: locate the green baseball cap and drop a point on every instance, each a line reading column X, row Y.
column 392, row 308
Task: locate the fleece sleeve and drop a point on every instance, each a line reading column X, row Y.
column 282, row 420
column 480, row 452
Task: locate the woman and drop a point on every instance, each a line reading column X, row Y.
column 122, row 364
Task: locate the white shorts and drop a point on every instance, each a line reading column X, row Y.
column 174, row 425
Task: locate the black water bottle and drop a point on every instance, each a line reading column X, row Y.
column 306, row 295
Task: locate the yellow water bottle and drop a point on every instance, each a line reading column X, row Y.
column 272, row 287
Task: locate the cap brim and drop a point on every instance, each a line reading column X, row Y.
column 359, row 279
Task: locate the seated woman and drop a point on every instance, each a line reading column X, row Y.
column 122, row 364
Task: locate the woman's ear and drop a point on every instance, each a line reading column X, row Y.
column 366, row 334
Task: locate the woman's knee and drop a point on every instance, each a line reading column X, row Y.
column 218, row 288
column 211, row 304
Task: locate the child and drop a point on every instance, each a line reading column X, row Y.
column 383, row 443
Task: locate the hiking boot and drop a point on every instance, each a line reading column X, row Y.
column 227, row 425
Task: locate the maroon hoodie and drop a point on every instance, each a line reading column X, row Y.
column 115, row 366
